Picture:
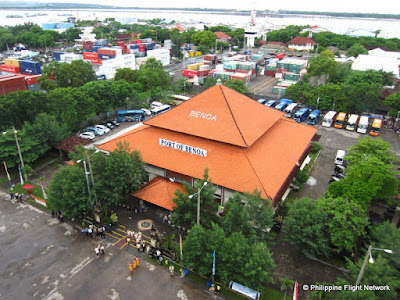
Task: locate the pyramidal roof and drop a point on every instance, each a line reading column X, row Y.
column 220, row 114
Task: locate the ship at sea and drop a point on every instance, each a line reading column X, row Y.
column 14, row 16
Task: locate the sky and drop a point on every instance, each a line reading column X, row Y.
column 382, row 7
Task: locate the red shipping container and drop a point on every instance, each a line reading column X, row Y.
column 12, row 83
column 242, row 71
column 142, row 47
column 125, row 51
column 269, row 73
column 253, row 71
column 10, row 68
column 203, row 73
column 209, row 57
column 189, row 73
column 230, row 71
column 90, row 55
column 93, row 60
column 109, row 52
column 138, row 41
column 100, row 61
column 132, row 42
column 32, row 79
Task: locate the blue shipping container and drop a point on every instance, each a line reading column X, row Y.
column 133, row 46
column 95, row 48
column 57, row 55
column 103, row 56
column 30, row 67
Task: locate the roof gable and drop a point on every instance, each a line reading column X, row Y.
column 220, row 114
column 301, row 40
column 221, row 35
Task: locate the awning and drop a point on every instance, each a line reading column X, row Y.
column 160, row 191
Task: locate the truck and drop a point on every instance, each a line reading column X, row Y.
column 362, row 124
column 340, row 119
column 328, row 118
column 314, row 117
column 302, row 114
column 352, row 122
column 376, row 125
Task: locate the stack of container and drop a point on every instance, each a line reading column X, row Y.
column 11, row 66
column 140, row 61
column 12, row 83
column 96, row 48
column 241, row 76
column 225, row 76
column 30, row 67
column 162, row 54
column 211, row 57
column 87, row 45
column 189, row 73
column 93, row 57
column 32, row 82
column 194, row 66
column 68, row 57
column 270, row 70
column 107, row 53
column 230, row 66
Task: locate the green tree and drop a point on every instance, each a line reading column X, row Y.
column 306, row 227
column 185, row 212
column 126, row 74
column 380, row 273
column 7, row 41
column 177, row 40
column 237, row 218
column 74, row 74
column 322, row 65
column 347, row 221
column 119, row 175
column 393, row 101
column 355, row 50
column 261, row 212
column 68, row 192
column 237, row 85
column 204, row 38
column 387, row 236
column 71, row 34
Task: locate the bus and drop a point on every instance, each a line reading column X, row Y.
column 352, row 122
column 179, row 99
column 362, row 124
column 270, row 103
column 289, row 109
column 340, row 119
column 376, row 125
column 160, row 110
column 314, row 117
column 262, row 101
column 130, row 115
column 301, row 114
column 328, row 118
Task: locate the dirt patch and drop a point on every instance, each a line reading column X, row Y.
column 292, row 264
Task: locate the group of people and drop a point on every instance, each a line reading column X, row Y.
column 99, row 249
column 136, row 237
column 59, row 215
column 99, row 231
column 16, row 196
column 134, row 264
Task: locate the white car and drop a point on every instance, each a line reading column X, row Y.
column 87, row 135
column 102, row 127
column 146, row 111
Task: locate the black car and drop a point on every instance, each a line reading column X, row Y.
column 114, row 122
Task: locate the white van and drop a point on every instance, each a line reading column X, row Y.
column 328, row 119
column 339, row 157
column 289, row 109
column 362, row 124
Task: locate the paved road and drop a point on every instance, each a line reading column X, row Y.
column 41, row 258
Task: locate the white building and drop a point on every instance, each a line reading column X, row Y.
column 372, row 62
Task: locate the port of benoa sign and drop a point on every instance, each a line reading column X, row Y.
column 182, row 147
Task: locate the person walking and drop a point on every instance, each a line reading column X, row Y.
column 102, row 249
column 97, row 250
column 90, row 232
column 171, row 270
column 130, row 265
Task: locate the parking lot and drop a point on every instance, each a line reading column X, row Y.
column 261, row 87
column 333, row 139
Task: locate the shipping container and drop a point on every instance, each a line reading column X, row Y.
column 107, row 51
column 133, row 46
column 30, row 67
column 57, row 55
column 10, row 69
column 87, row 45
column 189, row 73
column 269, row 73
column 96, row 48
column 101, row 42
column 210, row 57
column 12, row 62
column 30, row 80
column 90, row 55
column 203, row 73
column 12, row 83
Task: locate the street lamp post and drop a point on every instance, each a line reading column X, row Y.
column 97, row 207
column 368, row 257
column 198, row 201
column 19, row 152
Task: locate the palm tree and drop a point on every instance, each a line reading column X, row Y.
column 286, row 283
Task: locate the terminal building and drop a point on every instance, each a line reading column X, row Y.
column 245, row 145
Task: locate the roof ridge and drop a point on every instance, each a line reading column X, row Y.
column 255, row 172
column 233, row 117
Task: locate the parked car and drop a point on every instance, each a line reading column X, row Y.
column 102, row 127
column 108, row 124
column 94, row 130
column 87, row 135
column 146, row 111
column 114, row 122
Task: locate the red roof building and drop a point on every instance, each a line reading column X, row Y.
column 222, row 36
column 301, row 43
column 245, row 145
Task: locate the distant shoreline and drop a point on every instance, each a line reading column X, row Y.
column 280, row 13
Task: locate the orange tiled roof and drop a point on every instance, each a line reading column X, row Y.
column 222, row 115
column 221, row 35
column 302, row 40
column 160, row 191
column 265, row 165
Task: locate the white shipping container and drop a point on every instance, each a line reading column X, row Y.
column 219, row 67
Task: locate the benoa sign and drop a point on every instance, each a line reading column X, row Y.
column 183, row 148
column 200, row 115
